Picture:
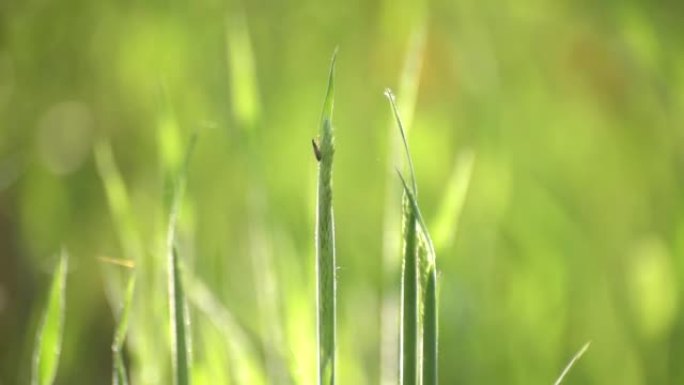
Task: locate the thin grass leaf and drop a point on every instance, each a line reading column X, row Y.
column 119, row 373
column 576, row 357
column 446, row 225
column 408, row 370
column 49, row 337
column 325, row 243
column 428, row 283
column 242, row 70
column 430, row 329
column 395, row 110
column 180, row 324
column 179, row 314
column 243, row 354
column 408, row 92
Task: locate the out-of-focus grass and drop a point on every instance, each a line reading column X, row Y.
column 48, row 346
column 571, row 230
column 119, row 372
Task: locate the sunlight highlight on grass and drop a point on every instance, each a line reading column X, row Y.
column 574, row 359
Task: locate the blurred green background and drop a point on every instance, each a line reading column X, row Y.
column 560, row 121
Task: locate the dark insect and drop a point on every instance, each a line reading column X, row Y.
column 316, row 149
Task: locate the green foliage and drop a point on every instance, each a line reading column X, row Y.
column 49, row 335
column 119, row 375
column 325, row 242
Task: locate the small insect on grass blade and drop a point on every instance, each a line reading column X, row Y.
column 119, row 373
column 49, row 337
column 325, row 242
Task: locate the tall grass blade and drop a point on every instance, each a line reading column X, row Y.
column 180, row 317
column 409, row 301
column 119, row 374
column 451, row 206
column 49, row 337
column 325, row 243
column 570, row 364
column 430, row 328
column 180, row 324
column 408, row 92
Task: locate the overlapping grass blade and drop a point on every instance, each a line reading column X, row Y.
column 419, row 283
column 428, row 334
column 408, row 370
column 243, row 352
column 119, row 373
column 49, row 336
column 180, row 317
column 408, row 91
column 325, row 242
column 570, row 364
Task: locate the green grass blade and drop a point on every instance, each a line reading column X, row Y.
column 451, row 206
column 180, row 317
column 430, row 329
column 325, row 244
column 243, row 352
column 428, row 282
column 119, row 374
column 49, row 337
column 408, row 91
column 408, row 369
column 395, row 110
column 574, row 359
column 180, row 324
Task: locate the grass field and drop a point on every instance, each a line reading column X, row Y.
column 180, row 204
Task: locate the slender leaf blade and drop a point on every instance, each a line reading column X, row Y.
column 408, row 369
column 49, row 337
column 430, row 329
column 325, row 243
column 119, row 373
column 570, row 364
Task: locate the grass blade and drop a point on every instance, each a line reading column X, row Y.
column 325, row 243
column 180, row 324
column 243, row 352
column 409, row 301
column 119, row 373
column 446, row 224
column 408, row 91
column 576, row 357
column 49, row 337
column 179, row 313
column 430, row 329
column 428, row 282
column 395, row 111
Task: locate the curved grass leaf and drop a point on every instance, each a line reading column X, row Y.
column 119, row 376
column 325, row 243
column 576, row 357
column 49, row 337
